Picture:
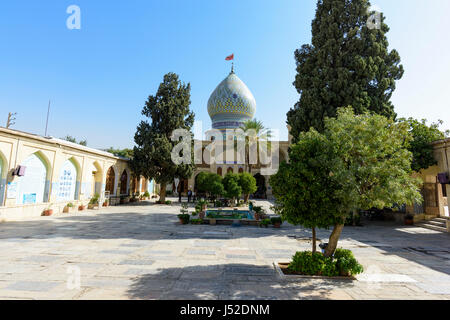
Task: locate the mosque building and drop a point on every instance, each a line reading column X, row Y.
column 230, row 105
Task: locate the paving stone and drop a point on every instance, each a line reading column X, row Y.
column 40, row 286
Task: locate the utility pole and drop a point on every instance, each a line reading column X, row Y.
column 48, row 113
column 11, row 119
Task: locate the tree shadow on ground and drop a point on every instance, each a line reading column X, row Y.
column 228, row 282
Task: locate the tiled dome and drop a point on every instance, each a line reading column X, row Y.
column 231, row 103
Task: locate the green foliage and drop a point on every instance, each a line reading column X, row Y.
column 146, row 194
column 168, row 202
column 231, row 184
column 346, row 264
column 309, row 263
column 196, row 221
column 73, row 140
column 358, row 162
column 343, row 263
column 265, row 222
column 167, row 110
column 347, row 63
column 420, row 146
column 247, row 183
column 211, row 183
column 70, row 205
column 124, row 153
column 95, row 199
column 275, row 220
column 184, row 218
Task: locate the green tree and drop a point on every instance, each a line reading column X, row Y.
column 231, row 184
column 254, row 131
column 124, row 153
column 168, row 110
column 73, row 140
column 420, row 146
column 347, row 64
column 209, row 183
column 248, row 184
column 359, row 161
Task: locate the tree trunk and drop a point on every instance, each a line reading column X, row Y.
column 314, row 246
column 333, row 241
column 246, row 196
column 162, row 193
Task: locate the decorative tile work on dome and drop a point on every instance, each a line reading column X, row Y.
column 231, row 99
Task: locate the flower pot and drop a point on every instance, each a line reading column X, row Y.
column 47, row 212
column 105, row 204
column 66, row 210
column 409, row 222
column 81, row 208
column 277, row 225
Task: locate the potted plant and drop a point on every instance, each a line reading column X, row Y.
column 184, row 218
column 106, row 203
column 264, row 223
column 68, row 207
column 409, row 219
column 48, row 211
column 196, row 221
column 258, row 212
column 94, row 201
column 81, row 207
column 276, row 222
column 146, row 195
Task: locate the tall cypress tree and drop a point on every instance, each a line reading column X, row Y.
column 168, row 110
column 347, row 64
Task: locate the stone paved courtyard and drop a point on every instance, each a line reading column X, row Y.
column 141, row 252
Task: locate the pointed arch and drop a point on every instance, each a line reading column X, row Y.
column 124, row 182
column 69, row 180
column 34, row 186
column 219, row 171
column 110, row 180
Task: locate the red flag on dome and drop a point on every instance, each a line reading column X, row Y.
column 230, row 57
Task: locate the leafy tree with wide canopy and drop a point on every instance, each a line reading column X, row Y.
column 420, row 146
column 248, row 185
column 168, row 110
column 211, row 183
column 358, row 162
column 347, row 64
column 231, row 184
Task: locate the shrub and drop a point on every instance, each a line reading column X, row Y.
column 94, row 199
column 343, row 263
column 276, row 220
column 184, row 218
column 307, row 263
column 146, row 194
column 168, row 202
column 70, row 205
column 265, row 222
column 196, row 221
column 346, row 264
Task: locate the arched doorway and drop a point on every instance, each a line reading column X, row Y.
column 31, row 187
column 110, row 180
column 219, row 171
column 67, row 181
column 241, row 170
column 123, row 182
column 230, row 170
column 261, row 184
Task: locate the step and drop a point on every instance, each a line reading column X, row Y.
column 443, row 220
column 437, row 223
column 432, row 227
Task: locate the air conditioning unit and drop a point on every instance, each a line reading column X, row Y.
column 19, row 171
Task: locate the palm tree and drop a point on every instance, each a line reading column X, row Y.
column 258, row 131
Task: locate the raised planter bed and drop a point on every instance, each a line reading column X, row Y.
column 284, row 274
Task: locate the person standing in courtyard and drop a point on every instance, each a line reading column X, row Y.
column 189, row 195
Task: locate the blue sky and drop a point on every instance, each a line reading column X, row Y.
column 99, row 77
